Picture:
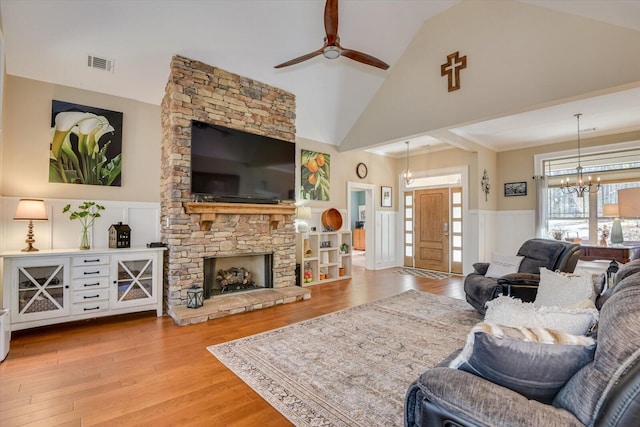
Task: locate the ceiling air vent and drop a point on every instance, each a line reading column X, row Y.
column 99, row 63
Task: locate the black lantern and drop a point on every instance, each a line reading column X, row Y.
column 119, row 236
column 611, row 272
column 194, row 297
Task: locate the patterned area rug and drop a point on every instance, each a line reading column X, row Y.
column 423, row 273
column 351, row 367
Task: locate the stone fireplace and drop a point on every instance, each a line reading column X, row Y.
column 195, row 231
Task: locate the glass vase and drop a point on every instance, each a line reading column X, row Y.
column 84, row 240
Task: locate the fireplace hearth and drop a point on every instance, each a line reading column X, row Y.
column 237, row 273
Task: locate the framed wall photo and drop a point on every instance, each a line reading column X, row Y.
column 515, row 189
column 385, row 197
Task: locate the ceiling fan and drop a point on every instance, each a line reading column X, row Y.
column 331, row 48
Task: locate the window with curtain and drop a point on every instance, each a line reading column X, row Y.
column 577, row 217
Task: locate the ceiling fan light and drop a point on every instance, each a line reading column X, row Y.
column 407, row 177
column 331, row 52
column 406, row 174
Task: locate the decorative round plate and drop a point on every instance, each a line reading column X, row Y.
column 332, row 219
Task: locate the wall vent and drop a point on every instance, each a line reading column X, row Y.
column 99, row 63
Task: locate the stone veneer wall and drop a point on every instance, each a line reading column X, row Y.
column 199, row 91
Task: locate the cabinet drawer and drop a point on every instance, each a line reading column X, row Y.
column 90, row 283
column 90, row 307
column 90, row 260
column 91, row 271
column 90, row 296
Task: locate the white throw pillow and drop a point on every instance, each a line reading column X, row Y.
column 563, row 290
column 503, row 264
column 513, row 312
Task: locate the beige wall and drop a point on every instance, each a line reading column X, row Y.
column 25, row 144
column 26, row 137
column 3, row 79
column 519, row 57
column 442, row 160
column 381, row 171
column 518, row 165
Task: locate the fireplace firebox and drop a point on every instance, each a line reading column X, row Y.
column 237, row 273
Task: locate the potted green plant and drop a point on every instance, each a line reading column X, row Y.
column 87, row 213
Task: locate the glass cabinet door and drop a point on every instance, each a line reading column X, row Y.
column 133, row 282
column 42, row 291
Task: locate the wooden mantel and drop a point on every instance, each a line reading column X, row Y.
column 209, row 210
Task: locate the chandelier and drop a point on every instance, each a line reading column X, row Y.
column 581, row 186
column 406, row 174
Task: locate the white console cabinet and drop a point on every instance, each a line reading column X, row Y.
column 56, row 286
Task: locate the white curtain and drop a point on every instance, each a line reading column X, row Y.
column 541, row 206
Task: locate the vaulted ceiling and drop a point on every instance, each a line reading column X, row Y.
column 50, row 41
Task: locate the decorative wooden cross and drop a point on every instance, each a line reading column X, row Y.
column 452, row 68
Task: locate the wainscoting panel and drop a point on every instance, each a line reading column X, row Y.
column 146, row 222
column 470, row 240
column 514, row 228
column 386, row 237
column 499, row 231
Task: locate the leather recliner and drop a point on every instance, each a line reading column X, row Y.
column 555, row 255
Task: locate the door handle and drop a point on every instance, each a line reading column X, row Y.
column 446, row 228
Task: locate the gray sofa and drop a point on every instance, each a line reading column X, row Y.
column 605, row 392
column 551, row 254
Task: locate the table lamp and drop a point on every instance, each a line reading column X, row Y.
column 611, row 210
column 629, row 202
column 30, row 210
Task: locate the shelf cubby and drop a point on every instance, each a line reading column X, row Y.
column 321, row 256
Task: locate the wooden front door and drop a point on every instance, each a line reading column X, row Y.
column 432, row 229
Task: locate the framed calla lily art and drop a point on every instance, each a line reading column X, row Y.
column 86, row 145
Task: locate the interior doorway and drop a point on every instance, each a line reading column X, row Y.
column 358, row 220
column 361, row 214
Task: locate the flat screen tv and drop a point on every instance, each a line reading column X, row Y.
column 229, row 165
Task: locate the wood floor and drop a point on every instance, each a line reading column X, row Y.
column 143, row 370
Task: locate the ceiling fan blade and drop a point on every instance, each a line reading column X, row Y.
column 301, row 58
column 331, row 21
column 364, row 58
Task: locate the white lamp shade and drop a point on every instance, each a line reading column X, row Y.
column 610, row 210
column 629, row 202
column 31, row 209
column 303, row 212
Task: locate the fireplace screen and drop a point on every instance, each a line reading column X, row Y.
column 227, row 274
